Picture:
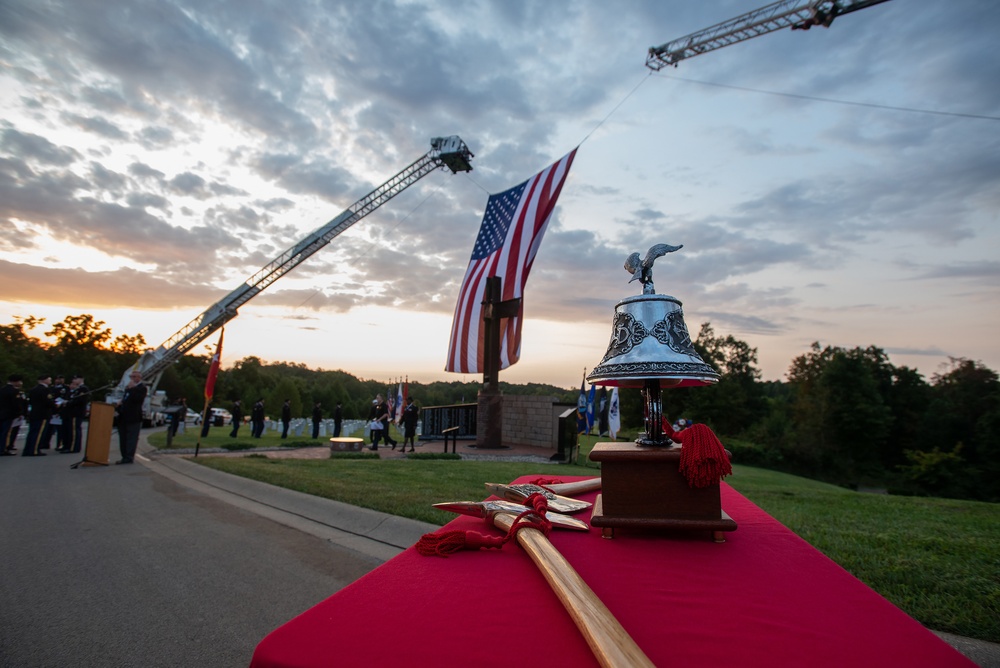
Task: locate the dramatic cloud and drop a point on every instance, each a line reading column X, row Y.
column 179, row 147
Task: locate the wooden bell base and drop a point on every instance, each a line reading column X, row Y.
column 642, row 488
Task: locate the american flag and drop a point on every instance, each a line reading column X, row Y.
column 509, row 237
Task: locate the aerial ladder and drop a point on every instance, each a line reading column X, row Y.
column 446, row 152
column 794, row 14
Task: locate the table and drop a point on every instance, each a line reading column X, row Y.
column 763, row 598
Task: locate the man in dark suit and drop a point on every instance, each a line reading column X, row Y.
column 130, row 417
column 411, row 415
column 338, row 417
column 10, row 410
column 237, row 414
column 257, row 419
column 74, row 411
column 39, row 411
column 317, row 417
column 286, row 417
column 57, row 397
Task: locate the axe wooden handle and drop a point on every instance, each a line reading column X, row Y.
column 578, row 487
column 608, row 640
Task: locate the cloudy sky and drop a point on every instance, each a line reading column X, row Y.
column 838, row 185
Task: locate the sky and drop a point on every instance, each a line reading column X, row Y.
column 839, row 185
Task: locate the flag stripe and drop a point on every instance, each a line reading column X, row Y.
column 509, row 238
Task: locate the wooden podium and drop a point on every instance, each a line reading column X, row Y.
column 102, row 419
column 642, row 488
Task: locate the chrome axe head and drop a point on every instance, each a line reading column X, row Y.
column 519, row 494
column 487, row 509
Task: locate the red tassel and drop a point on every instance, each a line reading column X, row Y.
column 449, row 542
column 542, row 482
column 703, row 459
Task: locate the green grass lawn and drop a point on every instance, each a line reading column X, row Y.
column 937, row 559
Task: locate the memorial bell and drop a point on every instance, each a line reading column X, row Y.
column 648, row 484
column 650, row 347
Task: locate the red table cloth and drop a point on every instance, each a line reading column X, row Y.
column 763, row 598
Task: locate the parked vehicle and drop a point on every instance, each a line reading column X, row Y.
column 221, row 417
column 192, row 417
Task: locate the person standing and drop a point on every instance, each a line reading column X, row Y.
column 410, row 416
column 130, row 417
column 385, row 410
column 57, row 398
column 178, row 417
column 338, row 418
column 375, row 420
column 39, row 410
column 73, row 413
column 237, row 418
column 257, row 419
column 286, row 417
column 10, row 410
column 317, row 417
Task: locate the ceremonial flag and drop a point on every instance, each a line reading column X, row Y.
column 614, row 415
column 509, row 237
column 602, row 411
column 213, row 369
column 400, row 398
column 581, row 410
column 590, row 408
column 390, row 401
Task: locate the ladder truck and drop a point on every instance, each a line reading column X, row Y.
column 446, row 153
column 794, row 14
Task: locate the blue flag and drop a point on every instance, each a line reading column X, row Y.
column 591, row 399
column 581, row 410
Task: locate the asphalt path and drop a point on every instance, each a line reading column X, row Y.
column 142, row 565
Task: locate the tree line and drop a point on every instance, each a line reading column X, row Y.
column 846, row 416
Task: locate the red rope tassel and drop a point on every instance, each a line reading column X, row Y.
column 449, row 542
column 703, row 459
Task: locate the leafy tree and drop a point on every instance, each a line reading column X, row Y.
column 79, row 331
column 19, row 351
column 128, row 345
column 730, row 406
column 840, row 418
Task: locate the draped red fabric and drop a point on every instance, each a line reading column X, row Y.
column 763, row 598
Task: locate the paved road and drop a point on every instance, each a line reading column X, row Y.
column 155, row 564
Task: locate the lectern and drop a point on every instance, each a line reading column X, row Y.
column 100, row 426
